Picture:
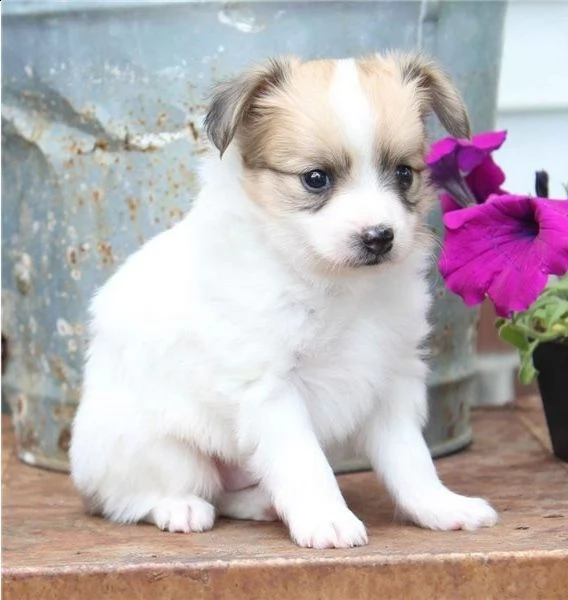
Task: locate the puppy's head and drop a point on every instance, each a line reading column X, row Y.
column 333, row 151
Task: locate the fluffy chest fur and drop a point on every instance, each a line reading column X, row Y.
column 239, row 315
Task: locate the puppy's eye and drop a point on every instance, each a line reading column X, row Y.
column 404, row 176
column 316, row 181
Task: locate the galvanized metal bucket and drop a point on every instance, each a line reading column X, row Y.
column 101, row 114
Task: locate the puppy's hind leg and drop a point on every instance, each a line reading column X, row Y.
column 187, row 481
column 163, row 481
column 183, row 514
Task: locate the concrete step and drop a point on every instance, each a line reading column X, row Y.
column 52, row 550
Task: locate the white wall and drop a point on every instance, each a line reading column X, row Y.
column 533, row 95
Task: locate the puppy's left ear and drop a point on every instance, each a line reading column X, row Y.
column 233, row 101
column 437, row 91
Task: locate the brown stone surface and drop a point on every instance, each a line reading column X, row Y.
column 51, row 550
column 488, row 339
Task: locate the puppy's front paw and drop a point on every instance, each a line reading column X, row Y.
column 448, row 511
column 335, row 527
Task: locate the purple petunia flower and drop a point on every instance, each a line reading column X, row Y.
column 464, row 168
column 505, row 248
column 495, row 244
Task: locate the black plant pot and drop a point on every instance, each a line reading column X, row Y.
column 551, row 361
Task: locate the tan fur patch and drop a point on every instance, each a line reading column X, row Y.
column 400, row 133
column 294, row 125
column 291, row 129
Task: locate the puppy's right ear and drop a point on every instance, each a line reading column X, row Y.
column 233, row 100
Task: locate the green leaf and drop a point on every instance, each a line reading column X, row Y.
column 510, row 334
column 527, row 372
column 558, row 310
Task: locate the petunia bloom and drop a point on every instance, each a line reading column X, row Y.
column 505, row 248
column 465, row 169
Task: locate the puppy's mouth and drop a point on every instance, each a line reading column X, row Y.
column 366, row 258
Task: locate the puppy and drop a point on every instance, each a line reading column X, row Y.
column 282, row 318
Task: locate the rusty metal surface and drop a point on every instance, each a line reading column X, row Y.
column 102, row 106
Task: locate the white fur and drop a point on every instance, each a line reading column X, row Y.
column 366, row 201
column 222, row 358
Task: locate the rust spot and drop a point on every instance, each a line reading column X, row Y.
column 58, row 368
column 76, row 149
column 19, row 405
column 194, row 131
column 64, row 412
column 68, row 164
column 72, row 256
column 28, row 439
column 64, row 440
column 105, row 251
column 157, row 220
column 5, row 353
column 133, row 204
column 175, row 213
column 162, row 119
column 97, row 196
column 101, row 145
column 129, row 146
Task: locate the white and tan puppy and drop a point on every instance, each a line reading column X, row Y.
column 282, row 317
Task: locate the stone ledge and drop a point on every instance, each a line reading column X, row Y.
column 52, row 550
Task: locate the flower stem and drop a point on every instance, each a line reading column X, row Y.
column 460, row 192
column 541, row 184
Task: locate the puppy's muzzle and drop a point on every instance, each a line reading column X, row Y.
column 377, row 239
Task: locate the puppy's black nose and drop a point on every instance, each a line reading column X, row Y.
column 378, row 239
